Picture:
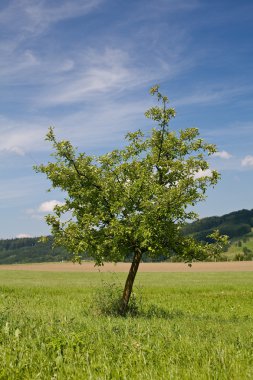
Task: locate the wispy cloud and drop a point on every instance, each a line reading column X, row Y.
column 20, row 137
column 59, row 76
column 14, row 149
column 14, row 63
column 95, row 127
column 210, row 94
column 96, row 72
column 34, row 16
column 233, row 129
column 22, row 23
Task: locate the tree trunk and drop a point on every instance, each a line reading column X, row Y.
column 130, row 281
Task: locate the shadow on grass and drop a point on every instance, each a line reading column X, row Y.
column 135, row 310
column 154, row 311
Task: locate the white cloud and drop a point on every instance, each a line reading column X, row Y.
column 203, row 173
column 20, row 236
column 18, row 150
column 43, row 208
column 223, row 154
column 13, row 149
column 247, row 161
column 48, row 206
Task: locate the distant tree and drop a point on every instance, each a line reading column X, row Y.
column 246, row 250
column 134, row 201
column 239, row 257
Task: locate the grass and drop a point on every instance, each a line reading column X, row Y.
column 190, row 326
column 237, row 248
column 238, row 245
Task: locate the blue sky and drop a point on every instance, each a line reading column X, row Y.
column 85, row 67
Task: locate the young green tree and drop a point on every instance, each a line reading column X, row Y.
column 133, row 201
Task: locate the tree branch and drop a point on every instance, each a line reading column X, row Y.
column 98, row 187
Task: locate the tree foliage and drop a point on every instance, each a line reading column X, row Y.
column 132, row 201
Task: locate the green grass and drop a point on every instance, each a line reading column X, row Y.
column 244, row 242
column 190, row 326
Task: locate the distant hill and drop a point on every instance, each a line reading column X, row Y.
column 237, row 225
column 30, row 250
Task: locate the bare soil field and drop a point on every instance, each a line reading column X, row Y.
column 235, row 266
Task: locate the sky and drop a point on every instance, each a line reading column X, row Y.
column 86, row 66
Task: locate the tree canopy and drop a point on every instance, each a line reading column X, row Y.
column 131, row 201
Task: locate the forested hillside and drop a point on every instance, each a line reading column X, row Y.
column 235, row 224
column 29, row 250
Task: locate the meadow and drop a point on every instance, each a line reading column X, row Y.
column 188, row 326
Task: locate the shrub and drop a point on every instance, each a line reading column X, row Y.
column 108, row 298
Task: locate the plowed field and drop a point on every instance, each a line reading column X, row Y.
column 237, row 266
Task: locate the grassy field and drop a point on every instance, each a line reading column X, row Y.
column 238, row 246
column 190, row 326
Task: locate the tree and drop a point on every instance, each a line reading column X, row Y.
column 131, row 201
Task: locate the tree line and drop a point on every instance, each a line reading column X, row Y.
column 30, row 250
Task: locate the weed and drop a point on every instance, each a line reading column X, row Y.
column 108, row 298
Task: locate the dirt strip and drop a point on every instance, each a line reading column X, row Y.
column 237, row 266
